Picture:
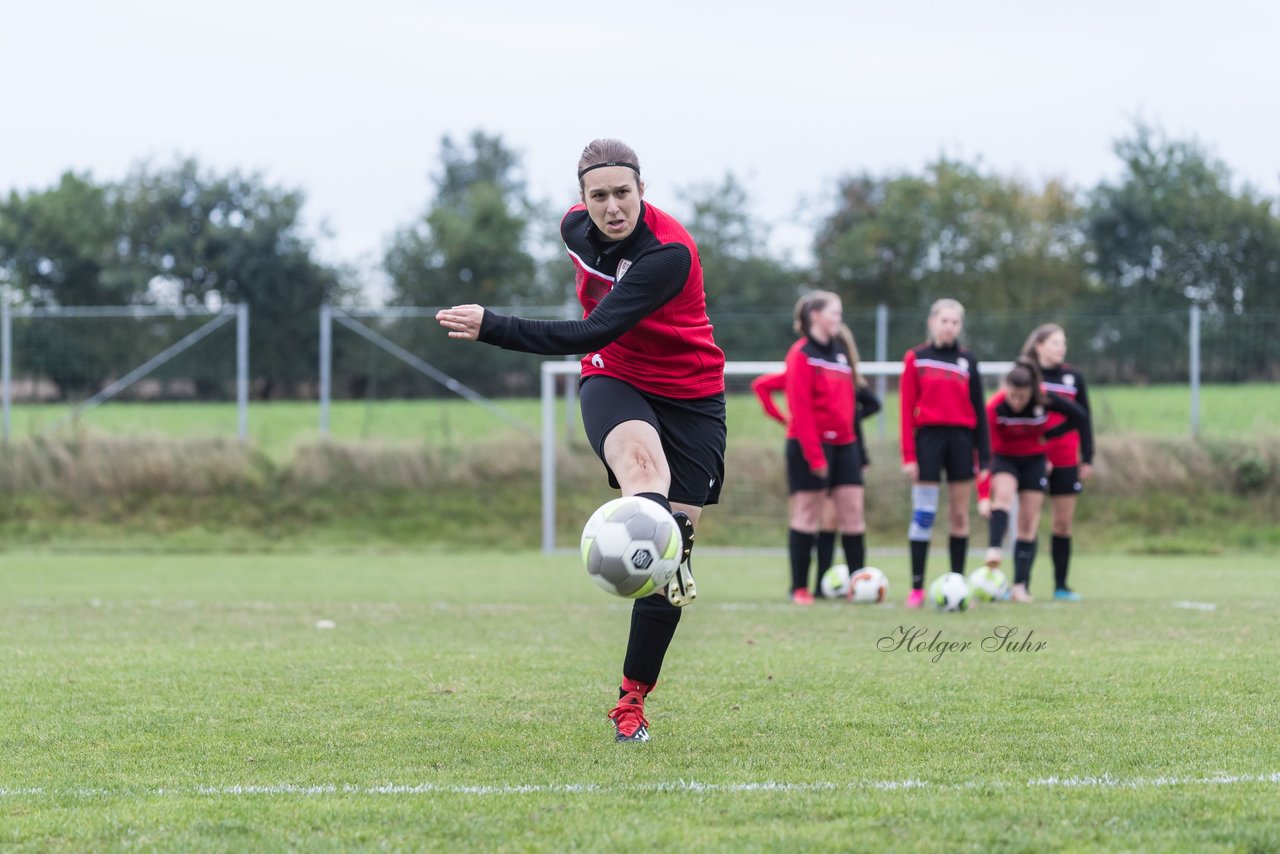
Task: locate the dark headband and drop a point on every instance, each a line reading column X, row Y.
column 584, row 170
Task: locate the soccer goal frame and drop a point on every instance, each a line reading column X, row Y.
column 237, row 313
column 551, row 370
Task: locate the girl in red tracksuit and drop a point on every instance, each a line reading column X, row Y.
column 1071, row 454
column 1023, row 419
column 824, row 456
column 866, row 404
column 942, row 430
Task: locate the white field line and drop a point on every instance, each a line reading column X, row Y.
column 1106, row 781
column 1195, row 606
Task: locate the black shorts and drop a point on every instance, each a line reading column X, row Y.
column 693, row 433
column 1065, row 481
column 844, row 467
column 1028, row 471
column 948, row 449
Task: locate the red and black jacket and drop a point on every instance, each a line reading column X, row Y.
column 820, row 398
column 1073, row 447
column 866, row 404
column 941, row 387
column 644, row 310
column 1027, row 432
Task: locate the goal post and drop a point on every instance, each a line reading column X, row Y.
column 114, row 378
column 552, row 370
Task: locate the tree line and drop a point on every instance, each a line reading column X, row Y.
column 1173, row 229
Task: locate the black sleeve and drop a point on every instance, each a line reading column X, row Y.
column 1077, row 416
column 1086, row 431
column 653, row 280
column 867, row 403
column 982, row 433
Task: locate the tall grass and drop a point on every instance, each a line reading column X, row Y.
column 1147, row 494
column 277, row 428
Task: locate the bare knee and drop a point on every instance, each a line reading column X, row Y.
column 640, row 468
column 633, row 452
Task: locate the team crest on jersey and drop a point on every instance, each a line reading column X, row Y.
column 597, row 360
column 1069, row 379
column 963, row 363
column 623, row 266
column 842, row 358
column 1039, row 411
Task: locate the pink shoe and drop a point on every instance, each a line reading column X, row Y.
column 800, row 596
column 916, row 599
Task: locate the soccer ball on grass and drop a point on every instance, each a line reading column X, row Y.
column 950, row 592
column 834, row 583
column 631, row 547
column 868, row 586
column 988, row 584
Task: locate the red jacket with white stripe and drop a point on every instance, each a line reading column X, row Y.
column 820, row 398
column 1076, row 446
column 941, row 387
column 1027, row 432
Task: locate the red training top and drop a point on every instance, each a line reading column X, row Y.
column 644, row 310
column 941, row 387
column 820, row 398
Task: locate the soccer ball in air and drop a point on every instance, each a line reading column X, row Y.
column 631, row 547
column 950, row 592
column 988, row 584
column 834, row 583
column 868, row 586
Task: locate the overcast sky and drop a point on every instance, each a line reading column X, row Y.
column 349, row 102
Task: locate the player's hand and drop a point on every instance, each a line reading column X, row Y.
column 1048, row 468
column 462, row 321
column 984, row 508
column 821, row 472
column 911, row 470
column 1086, row 469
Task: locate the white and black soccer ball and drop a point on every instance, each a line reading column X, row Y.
column 631, row 547
column 950, row 592
column 834, row 583
column 868, row 586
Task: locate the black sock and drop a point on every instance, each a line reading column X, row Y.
column 919, row 556
column 801, row 547
column 999, row 527
column 959, row 553
column 658, row 497
column 855, row 550
column 826, row 551
column 1024, row 554
column 653, row 625
column 1061, row 547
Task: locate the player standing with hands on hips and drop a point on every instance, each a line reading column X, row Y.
column 652, row 389
column 942, row 428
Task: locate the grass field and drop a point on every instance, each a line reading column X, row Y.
column 184, row 703
column 1227, row 412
